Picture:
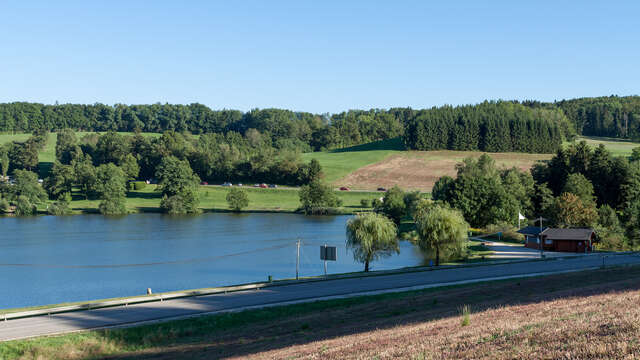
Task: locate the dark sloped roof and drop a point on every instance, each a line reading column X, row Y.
column 568, row 234
column 531, row 230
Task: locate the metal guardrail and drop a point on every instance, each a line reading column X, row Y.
column 257, row 286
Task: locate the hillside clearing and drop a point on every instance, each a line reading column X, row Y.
column 592, row 314
column 618, row 147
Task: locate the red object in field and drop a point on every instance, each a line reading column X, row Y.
column 204, row 183
column 264, row 186
column 344, row 188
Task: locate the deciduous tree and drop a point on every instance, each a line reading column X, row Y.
column 371, row 236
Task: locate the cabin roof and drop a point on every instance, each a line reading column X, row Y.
column 568, row 234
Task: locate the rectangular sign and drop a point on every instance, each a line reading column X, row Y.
column 328, row 253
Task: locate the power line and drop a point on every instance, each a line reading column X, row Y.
column 111, row 266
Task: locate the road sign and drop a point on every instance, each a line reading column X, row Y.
column 328, row 253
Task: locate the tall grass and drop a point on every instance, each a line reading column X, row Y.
column 465, row 313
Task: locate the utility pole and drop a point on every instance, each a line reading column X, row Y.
column 540, row 238
column 297, row 258
column 325, row 262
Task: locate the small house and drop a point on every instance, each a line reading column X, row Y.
column 531, row 235
column 568, row 240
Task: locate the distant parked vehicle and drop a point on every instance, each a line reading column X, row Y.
column 240, row 184
column 227, row 184
column 204, row 183
column 344, row 188
column 273, row 186
column 256, row 185
column 382, row 189
column 263, row 185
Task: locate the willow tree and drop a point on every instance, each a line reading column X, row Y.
column 440, row 229
column 371, row 236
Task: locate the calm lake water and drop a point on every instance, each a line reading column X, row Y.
column 53, row 259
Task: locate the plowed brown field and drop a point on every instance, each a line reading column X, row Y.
column 419, row 170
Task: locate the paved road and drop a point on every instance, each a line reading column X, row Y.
column 66, row 322
column 517, row 251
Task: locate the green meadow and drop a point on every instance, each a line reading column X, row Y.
column 213, row 199
column 339, row 163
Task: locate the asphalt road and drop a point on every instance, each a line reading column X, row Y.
column 99, row 318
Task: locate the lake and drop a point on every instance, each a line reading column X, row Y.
column 54, row 259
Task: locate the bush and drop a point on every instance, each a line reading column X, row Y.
column 237, row 199
column 4, row 206
column 137, row 185
column 60, row 207
column 365, row 203
column 112, row 206
column 317, row 195
column 508, row 231
column 24, row 207
column 179, row 204
column 376, row 203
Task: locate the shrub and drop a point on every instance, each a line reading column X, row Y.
column 376, row 203
column 316, row 195
column 24, row 207
column 179, row 204
column 237, row 199
column 508, row 231
column 137, row 185
column 60, row 207
column 4, row 206
column 365, row 203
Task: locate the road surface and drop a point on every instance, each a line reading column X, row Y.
column 119, row 316
column 517, row 251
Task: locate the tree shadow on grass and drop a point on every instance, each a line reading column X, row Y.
column 144, row 195
column 44, row 169
column 389, row 144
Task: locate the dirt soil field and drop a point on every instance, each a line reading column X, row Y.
column 419, row 170
column 590, row 315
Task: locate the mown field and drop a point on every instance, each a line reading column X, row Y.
column 616, row 146
column 213, row 198
column 580, row 315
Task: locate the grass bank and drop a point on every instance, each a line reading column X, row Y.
column 213, row 199
column 576, row 315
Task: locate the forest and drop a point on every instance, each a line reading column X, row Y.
column 500, row 126
column 490, row 126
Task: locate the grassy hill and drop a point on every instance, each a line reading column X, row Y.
column 339, row 163
column 583, row 315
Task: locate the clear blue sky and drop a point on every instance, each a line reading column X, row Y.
column 318, row 56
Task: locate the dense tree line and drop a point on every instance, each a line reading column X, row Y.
column 283, row 129
column 611, row 116
column 527, row 126
column 490, row 126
